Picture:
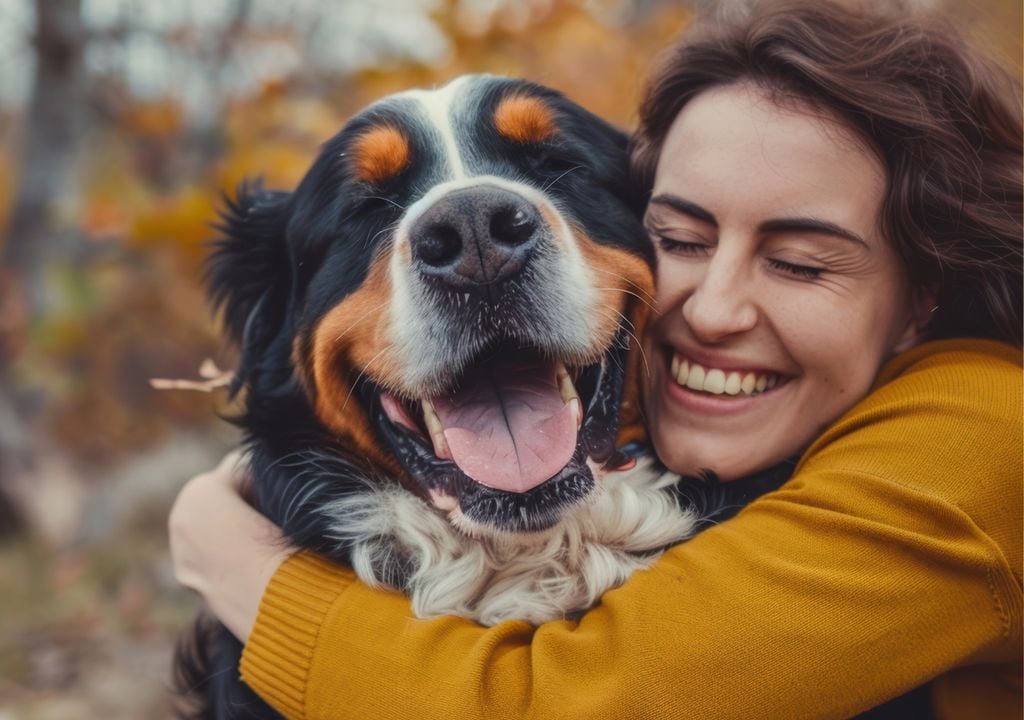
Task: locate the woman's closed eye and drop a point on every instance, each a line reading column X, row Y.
column 809, row 272
column 690, row 248
column 693, row 248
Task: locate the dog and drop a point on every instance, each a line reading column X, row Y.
column 434, row 333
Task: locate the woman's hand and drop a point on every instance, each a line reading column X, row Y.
column 221, row 547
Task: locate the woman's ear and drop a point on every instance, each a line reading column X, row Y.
column 923, row 307
column 248, row 274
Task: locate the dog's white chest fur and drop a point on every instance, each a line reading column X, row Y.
column 629, row 519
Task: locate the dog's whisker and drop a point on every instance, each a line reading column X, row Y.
column 629, row 281
column 627, row 292
column 387, row 200
column 360, row 376
column 389, row 229
column 551, row 184
column 649, row 298
column 364, row 316
column 628, row 327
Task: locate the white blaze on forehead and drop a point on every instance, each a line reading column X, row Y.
column 438, row 105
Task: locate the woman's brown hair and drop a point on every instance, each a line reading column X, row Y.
column 945, row 122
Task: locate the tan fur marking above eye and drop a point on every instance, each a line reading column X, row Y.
column 524, row 119
column 380, row 153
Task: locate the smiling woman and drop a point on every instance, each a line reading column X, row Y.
column 835, row 199
column 778, row 295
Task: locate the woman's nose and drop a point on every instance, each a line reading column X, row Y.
column 723, row 303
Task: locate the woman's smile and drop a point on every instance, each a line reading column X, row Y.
column 703, row 383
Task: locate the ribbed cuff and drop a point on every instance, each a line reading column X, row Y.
column 277, row 657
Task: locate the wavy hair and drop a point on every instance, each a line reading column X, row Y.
column 944, row 120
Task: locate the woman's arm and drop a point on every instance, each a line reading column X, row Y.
column 886, row 561
column 221, row 547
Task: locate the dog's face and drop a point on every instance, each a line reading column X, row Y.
column 453, row 284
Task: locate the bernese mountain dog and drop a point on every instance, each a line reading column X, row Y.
column 434, row 333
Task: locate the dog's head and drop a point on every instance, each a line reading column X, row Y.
column 453, row 286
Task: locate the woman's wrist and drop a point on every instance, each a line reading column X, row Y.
column 222, row 548
column 240, row 573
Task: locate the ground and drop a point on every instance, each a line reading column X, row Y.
column 88, row 630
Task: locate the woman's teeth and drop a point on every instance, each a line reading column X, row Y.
column 720, row 382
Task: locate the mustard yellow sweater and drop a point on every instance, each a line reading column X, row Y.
column 891, row 557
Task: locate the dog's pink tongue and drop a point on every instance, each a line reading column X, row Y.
column 507, row 426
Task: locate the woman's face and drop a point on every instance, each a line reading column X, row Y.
column 778, row 299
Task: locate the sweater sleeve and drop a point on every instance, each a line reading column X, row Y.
column 891, row 557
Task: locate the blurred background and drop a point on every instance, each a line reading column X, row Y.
column 121, row 124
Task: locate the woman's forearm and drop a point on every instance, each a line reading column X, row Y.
column 222, row 548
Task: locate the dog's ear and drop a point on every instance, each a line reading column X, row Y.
column 248, row 274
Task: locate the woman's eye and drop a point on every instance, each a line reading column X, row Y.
column 680, row 247
column 803, row 271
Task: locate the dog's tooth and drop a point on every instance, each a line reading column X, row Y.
column 441, row 449
column 577, row 411
column 565, row 385
column 430, row 416
column 436, row 430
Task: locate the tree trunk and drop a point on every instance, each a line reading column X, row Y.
column 53, row 126
column 47, row 183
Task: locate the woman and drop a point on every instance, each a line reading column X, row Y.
column 836, row 203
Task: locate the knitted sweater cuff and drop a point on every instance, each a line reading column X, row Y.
column 278, row 655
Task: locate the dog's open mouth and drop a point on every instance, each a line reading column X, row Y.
column 510, row 424
column 507, row 446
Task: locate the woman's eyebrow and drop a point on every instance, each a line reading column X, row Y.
column 812, row 225
column 686, row 207
column 796, row 224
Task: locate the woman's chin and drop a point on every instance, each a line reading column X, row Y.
column 704, row 458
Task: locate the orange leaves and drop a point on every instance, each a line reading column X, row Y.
column 582, row 48
column 181, row 222
column 280, row 166
column 159, row 119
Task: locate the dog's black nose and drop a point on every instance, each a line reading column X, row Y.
column 475, row 239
